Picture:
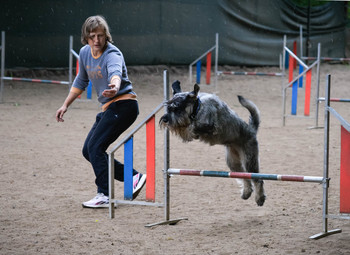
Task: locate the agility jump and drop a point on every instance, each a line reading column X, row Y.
column 127, row 142
column 319, row 99
column 305, row 69
column 344, row 167
column 314, row 58
column 198, row 62
column 167, row 172
column 72, row 54
column 324, row 180
column 296, row 84
column 208, row 56
column 331, row 99
column 241, row 175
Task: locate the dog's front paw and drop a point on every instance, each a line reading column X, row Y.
column 246, row 193
column 260, row 200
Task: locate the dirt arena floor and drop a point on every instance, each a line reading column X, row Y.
column 44, row 177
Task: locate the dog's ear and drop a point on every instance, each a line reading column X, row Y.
column 176, row 87
column 195, row 91
column 196, row 88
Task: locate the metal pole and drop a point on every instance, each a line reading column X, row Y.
column 326, row 156
column 326, row 167
column 166, row 153
column 166, row 176
column 301, row 41
column 203, row 55
column 283, row 89
column 2, row 64
column 216, row 58
column 300, row 61
column 111, row 184
column 70, row 60
column 308, row 44
column 325, row 215
column 318, row 82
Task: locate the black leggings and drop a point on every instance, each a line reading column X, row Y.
column 108, row 127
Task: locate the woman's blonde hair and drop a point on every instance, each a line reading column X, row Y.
column 91, row 24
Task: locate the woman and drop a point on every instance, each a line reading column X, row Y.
column 103, row 64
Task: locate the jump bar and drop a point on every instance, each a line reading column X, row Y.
column 327, row 59
column 249, row 73
column 272, row 177
column 334, row 99
column 34, row 80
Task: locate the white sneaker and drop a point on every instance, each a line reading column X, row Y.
column 100, row 201
column 139, row 181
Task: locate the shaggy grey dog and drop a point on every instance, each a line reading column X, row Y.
column 203, row 116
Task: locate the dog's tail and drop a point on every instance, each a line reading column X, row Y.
column 254, row 120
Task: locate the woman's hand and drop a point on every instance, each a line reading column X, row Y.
column 69, row 100
column 112, row 92
column 60, row 112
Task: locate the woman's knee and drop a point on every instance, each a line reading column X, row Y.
column 85, row 152
column 93, row 150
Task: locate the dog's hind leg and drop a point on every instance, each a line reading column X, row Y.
column 235, row 160
column 252, row 165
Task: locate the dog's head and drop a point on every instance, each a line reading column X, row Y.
column 181, row 108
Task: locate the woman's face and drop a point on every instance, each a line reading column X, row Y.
column 97, row 41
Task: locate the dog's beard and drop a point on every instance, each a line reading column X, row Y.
column 178, row 125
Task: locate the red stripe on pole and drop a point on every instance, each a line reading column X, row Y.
column 307, row 93
column 291, row 64
column 292, row 178
column 77, row 68
column 295, row 52
column 151, row 159
column 190, row 172
column 77, row 71
column 240, row 175
column 345, row 171
column 208, row 68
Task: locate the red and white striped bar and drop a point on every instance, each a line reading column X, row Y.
column 34, row 80
column 248, row 73
column 327, row 59
column 334, row 99
column 240, row 175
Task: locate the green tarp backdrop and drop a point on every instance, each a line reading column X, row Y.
column 171, row 32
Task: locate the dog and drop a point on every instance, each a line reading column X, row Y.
column 203, row 116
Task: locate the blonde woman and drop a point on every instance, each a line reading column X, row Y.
column 103, row 64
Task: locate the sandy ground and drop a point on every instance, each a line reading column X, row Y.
column 44, row 177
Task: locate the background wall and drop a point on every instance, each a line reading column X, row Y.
column 169, row 31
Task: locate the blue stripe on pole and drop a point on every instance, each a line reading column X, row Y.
column 199, row 65
column 241, row 73
column 265, row 176
column 286, row 62
column 89, row 89
column 215, row 173
column 294, row 98
column 128, row 169
column 300, row 81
